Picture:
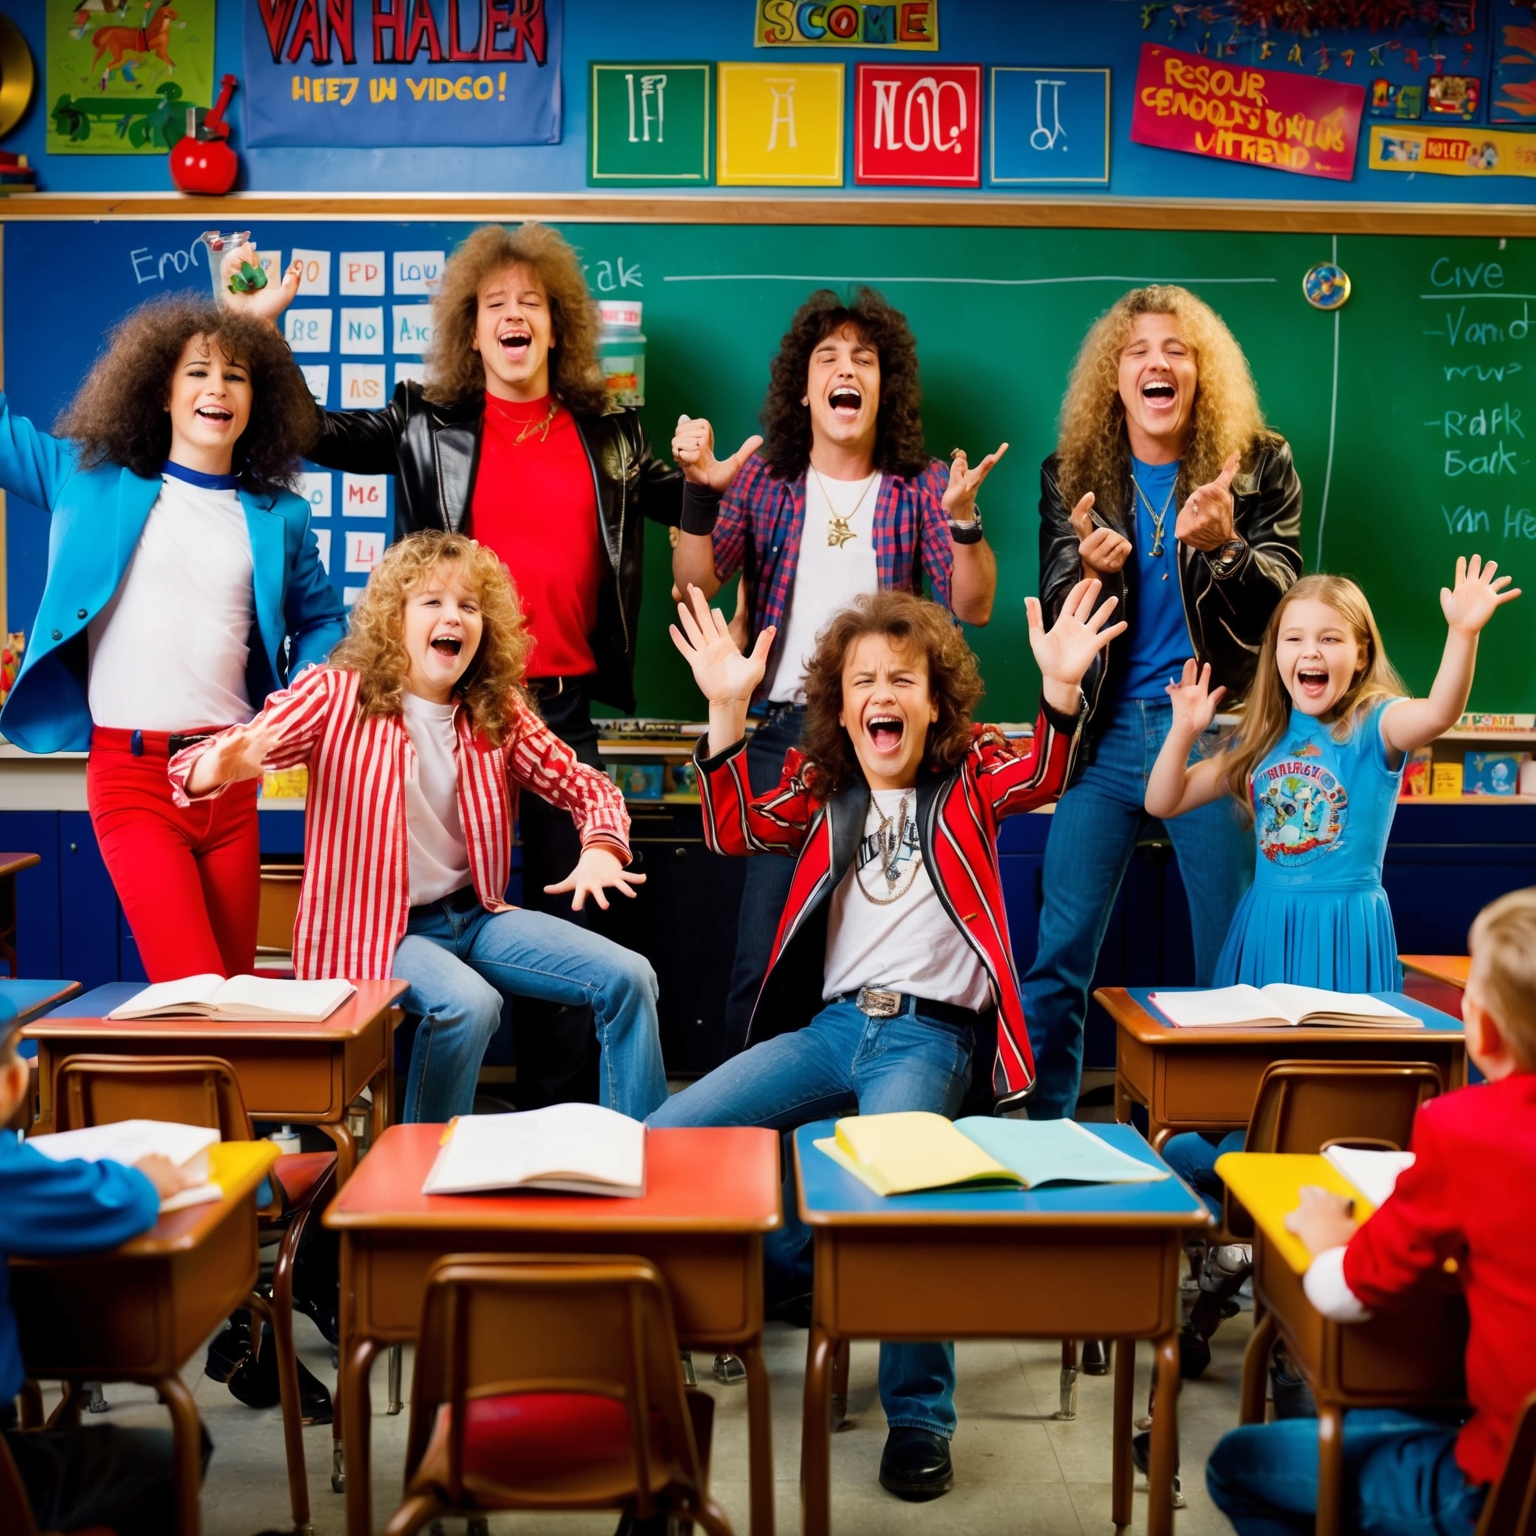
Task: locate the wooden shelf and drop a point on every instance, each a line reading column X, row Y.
column 1466, row 799
column 1490, row 737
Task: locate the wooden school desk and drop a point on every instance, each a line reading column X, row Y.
column 1097, row 1261
column 1450, row 969
column 1206, row 1079
column 1409, row 1357
column 140, row 1312
column 710, row 1196
column 11, row 864
column 300, row 1074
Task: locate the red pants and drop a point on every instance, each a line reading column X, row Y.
column 189, row 880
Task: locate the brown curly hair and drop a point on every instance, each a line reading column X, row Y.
column 899, row 447
column 456, row 372
column 1093, row 451
column 917, row 626
column 119, row 415
column 375, row 649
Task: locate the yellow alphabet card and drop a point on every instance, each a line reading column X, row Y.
column 781, row 125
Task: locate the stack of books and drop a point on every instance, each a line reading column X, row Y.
column 15, row 174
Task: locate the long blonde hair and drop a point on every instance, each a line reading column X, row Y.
column 1267, row 716
column 455, row 371
column 375, row 643
column 1093, row 452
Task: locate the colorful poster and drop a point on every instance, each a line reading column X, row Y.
column 648, row 124
column 122, row 73
column 1267, row 117
column 847, row 24
column 781, row 125
column 1514, row 63
column 428, row 72
column 917, row 125
column 1453, row 151
column 1049, row 125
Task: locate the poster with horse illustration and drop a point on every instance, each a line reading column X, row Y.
column 123, row 73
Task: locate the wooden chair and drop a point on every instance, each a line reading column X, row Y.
column 16, row 1508
column 1511, row 1506
column 552, row 1382
column 202, row 1090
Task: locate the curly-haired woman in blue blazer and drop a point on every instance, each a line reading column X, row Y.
column 184, row 585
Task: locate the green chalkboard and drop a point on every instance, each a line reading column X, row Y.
column 1411, row 410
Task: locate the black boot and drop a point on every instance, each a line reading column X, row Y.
column 254, row 1382
column 915, row 1465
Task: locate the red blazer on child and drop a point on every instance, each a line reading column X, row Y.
column 957, row 819
column 1470, row 1196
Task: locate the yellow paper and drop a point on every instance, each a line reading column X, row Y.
column 231, row 1161
column 1269, row 1185
column 897, row 1154
column 781, row 125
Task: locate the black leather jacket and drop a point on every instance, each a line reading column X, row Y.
column 433, row 451
column 1226, row 613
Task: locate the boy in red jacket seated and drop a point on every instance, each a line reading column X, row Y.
column 1470, row 1196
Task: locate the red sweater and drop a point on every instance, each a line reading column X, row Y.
column 535, row 504
column 1471, row 1196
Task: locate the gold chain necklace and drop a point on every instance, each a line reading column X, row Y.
column 838, row 530
column 1159, row 519
column 541, row 427
column 889, row 848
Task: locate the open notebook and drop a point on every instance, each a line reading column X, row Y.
column 912, row 1150
column 1277, row 1006
column 126, row 1141
column 240, row 999
column 581, row 1148
column 1373, row 1173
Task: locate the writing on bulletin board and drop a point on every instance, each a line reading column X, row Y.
column 847, row 24
column 1227, row 111
column 438, row 72
column 1453, row 151
column 1049, row 125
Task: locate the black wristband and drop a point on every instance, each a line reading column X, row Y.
column 701, row 506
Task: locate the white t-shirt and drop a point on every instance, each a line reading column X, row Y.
column 828, row 576
column 439, row 856
column 169, row 652
column 909, row 944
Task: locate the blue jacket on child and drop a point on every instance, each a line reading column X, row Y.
column 98, row 517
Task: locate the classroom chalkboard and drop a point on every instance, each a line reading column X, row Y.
column 1411, row 410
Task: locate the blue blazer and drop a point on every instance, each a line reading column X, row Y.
column 98, row 517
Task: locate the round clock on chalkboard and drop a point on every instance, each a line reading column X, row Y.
column 1326, row 286
column 17, row 76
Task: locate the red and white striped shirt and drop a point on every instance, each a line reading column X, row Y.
column 354, row 902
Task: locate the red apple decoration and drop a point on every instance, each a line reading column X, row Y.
column 203, row 161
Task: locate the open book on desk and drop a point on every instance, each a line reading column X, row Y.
column 1278, row 1005
column 241, row 999
column 188, row 1147
column 1374, row 1173
column 580, row 1148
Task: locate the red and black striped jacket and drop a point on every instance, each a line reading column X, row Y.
column 957, row 817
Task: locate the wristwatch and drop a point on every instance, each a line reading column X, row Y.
column 967, row 532
column 1225, row 557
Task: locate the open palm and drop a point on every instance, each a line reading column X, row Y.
column 705, row 640
column 1194, row 700
column 1471, row 602
column 1066, row 650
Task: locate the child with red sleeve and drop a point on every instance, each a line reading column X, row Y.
column 1470, row 1196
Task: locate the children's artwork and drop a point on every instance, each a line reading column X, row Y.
column 1491, row 773
column 1405, row 102
column 1452, row 151
column 781, row 125
column 122, row 73
column 1268, row 117
column 917, row 125
column 437, row 72
column 648, row 124
column 1514, row 62
column 1049, row 125
column 847, row 24
column 1454, row 96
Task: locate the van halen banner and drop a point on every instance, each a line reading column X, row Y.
column 402, row 72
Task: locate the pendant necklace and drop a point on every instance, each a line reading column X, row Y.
column 541, row 427
column 888, row 843
column 1159, row 519
column 838, row 530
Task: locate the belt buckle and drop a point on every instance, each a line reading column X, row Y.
column 179, row 743
column 878, row 1004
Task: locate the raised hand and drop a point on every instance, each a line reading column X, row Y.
column 597, row 869
column 693, row 451
column 723, row 674
column 1065, row 651
column 1101, row 550
column 1471, row 602
column 235, row 754
column 960, row 494
column 266, row 303
column 1194, row 700
column 1205, row 519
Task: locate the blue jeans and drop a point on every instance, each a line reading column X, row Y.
column 1094, row 831
column 1193, row 1155
column 766, row 887
column 843, row 1059
column 1400, row 1477
column 462, row 961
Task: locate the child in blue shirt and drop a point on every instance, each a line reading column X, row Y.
column 75, row 1477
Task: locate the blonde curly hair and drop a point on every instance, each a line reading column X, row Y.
column 1093, row 451
column 456, row 371
column 374, row 648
